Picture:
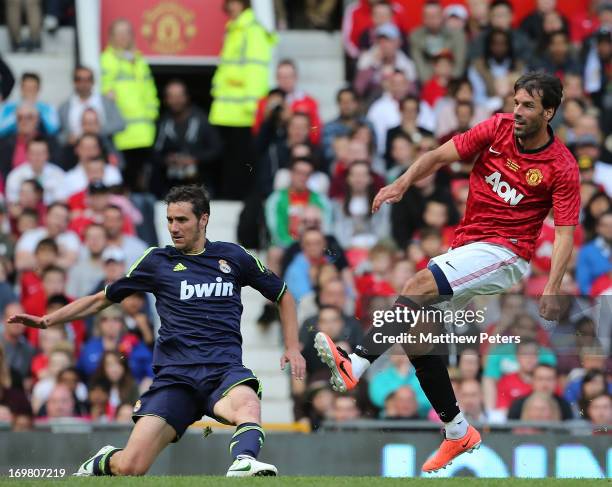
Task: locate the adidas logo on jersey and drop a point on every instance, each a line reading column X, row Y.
column 179, row 267
column 206, row 289
column 503, row 189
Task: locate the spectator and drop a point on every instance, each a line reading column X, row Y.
column 572, row 110
column 354, row 223
column 401, row 404
column 70, row 378
column 13, row 146
column 397, row 374
column 533, row 24
column 7, row 80
column 544, row 381
column 49, row 339
column 414, row 114
column 557, row 57
column 13, row 398
column 136, row 319
column 60, row 358
column 88, row 270
column 127, row 80
column 456, row 17
column 538, row 407
column 401, row 156
column 344, row 409
column 131, row 246
column 305, row 265
column 296, row 99
column 186, row 145
column 382, row 59
column 89, row 148
column 19, row 353
column 277, row 154
column 91, row 124
column 382, row 13
column 29, row 212
column 347, row 121
column 428, row 41
column 111, row 327
column 37, row 167
column 501, row 15
column 100, row 409
column 478, row 19
column 599, row 412
column 502, row 359
column 124, row 413
column 471, row 401
column 385, row 112
column 45, row 255
column 584, row 22
column 236, row 87
column 72, row 111
column 13, row 9
column 593, row 383
column 595, row 207
column 30, row 90
column 61, row 403
column 436, row 87
column 594, row 257
column 56, row 225
column 497, row 61
column 114, row 370
column 284, row 208
column 358, row 19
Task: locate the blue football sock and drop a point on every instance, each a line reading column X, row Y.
column 247, row 440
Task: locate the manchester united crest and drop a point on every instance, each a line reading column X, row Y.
column 534, row 176
column 168, row 27
column 224, row 266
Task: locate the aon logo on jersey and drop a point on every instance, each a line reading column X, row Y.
column 503, row 189
column 206, row 289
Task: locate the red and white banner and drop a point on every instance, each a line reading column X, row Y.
column 170, row 31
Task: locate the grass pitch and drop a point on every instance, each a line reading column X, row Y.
column 204, row 481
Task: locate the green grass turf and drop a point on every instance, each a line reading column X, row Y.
column 204, row 481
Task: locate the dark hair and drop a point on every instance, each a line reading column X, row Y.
column 34, row 182
column 30, row 75
column 39, row 139
column 499, row 3
column 305, row 160
column 126, row 383
column 60, row 299
column 80, row 67
column 192, row 193
column 47, row 243
column 100, row 383
column 177, row 81
column 465, row 104
column 349, row 194
column 413, row 98
column 427, row 232
column 525, row 342
column 54, row 268
column 29, row 212
column 547, row 86
column 546, row 366
column 488, row 54
column 346, row 89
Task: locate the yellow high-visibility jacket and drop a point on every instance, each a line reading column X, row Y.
column 135, row 96
column 241, row 78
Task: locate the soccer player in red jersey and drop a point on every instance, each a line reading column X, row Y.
column 521, row 171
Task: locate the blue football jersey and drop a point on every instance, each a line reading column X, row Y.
column 198, row 299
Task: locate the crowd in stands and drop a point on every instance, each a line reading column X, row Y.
column 79, row 181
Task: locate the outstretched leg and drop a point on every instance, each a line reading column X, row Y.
column 241, row 407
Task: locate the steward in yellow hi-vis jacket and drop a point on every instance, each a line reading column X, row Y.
column 126, row 78
column 240, row 81
column 241, row 78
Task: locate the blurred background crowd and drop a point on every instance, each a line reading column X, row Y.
column 79, row 182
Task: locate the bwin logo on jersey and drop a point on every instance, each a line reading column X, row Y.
column 503, row 189
column 206, row 289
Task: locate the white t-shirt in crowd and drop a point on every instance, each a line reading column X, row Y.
column 52, row 179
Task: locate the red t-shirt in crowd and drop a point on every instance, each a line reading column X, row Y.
column 512, row 190
column 509, row 388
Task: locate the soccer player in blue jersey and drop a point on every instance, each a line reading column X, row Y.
column 198, row 354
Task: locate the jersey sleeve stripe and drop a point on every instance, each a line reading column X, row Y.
column 262, row 268
column 282, row 291
column 135, row 264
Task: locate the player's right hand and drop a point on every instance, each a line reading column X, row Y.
column 391, row 193
column 30, row 320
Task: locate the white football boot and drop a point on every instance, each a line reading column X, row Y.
column 86, row 469
column 245, row 466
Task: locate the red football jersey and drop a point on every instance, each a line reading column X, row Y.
column 512, row 190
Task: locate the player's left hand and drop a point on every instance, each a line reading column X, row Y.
column 297, row 362
column 391, row 193
column 549, row 307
